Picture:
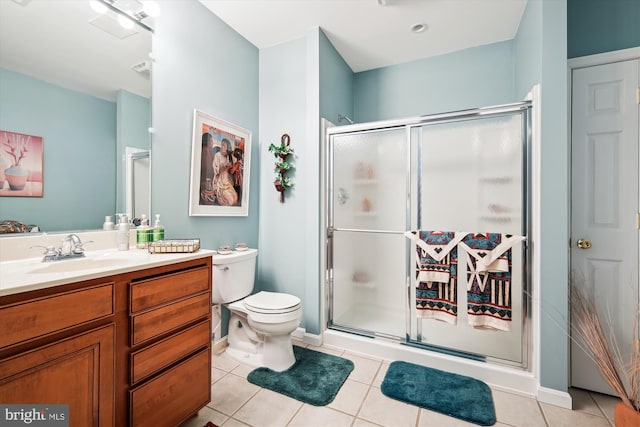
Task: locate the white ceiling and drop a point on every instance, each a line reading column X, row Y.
column 375, row 33
column 52, row 40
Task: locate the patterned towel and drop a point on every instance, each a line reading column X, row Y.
column 489, row 279
column 436, row 274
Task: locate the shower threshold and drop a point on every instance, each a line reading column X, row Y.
column 372, row 320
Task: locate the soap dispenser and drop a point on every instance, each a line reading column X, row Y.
column 123, row 232
column 143, row 233
column 158, row 230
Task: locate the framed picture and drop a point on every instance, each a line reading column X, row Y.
column 220, row 165
column 21, row 164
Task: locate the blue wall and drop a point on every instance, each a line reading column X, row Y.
column 597, row 26
column 283, row 109
column 540, row 52
column 469, row 78
column 199, row 63
column 79, row 138
column 336, row 83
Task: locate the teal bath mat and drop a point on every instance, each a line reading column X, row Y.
column 315, row 378
column 454, row 395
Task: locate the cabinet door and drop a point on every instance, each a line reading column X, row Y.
column 77, row 371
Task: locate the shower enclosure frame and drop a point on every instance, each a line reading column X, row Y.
column 329, row 229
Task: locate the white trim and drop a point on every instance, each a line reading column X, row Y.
column 604, row 58
column 220, row 345
column 535, row 96
column 554, row 397
column 300, row 334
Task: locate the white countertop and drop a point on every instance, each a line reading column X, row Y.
column 31, row 273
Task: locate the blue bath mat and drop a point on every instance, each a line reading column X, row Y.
column 454, row 395
column 315, row 378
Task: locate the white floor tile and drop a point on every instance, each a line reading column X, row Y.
column 517, row 410
column 606, row 404
column 364, row 369
column 233, row 423
column 583, row 402
column 380, row 409
column 435, row 419
column 242, row 370
column 359, row 422
column 320, row 416
column 230, row 393
column 350, row 397
column 377, row 382
column 223, row 362
column 560, row 417
column 217, row 374
column 268, row 409
column 205, row 415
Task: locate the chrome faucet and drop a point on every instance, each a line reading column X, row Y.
column 70, row 247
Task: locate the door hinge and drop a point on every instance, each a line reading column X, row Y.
column 638, row 220
column 638, row 96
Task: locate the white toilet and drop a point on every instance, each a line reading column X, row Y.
column 260, row 326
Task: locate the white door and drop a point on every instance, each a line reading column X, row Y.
column 604, row 205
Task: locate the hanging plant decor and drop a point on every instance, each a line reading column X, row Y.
column 281, row 152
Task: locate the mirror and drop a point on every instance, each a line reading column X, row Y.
column 82, row 82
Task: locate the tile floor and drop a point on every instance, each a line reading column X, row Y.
column 360, row 403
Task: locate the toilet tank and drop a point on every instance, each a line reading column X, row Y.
column 233, row 275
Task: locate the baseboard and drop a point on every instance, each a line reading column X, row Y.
column 554, row 397
column 311, row 339
column 218, row 346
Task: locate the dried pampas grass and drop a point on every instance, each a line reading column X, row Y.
column 622, row 375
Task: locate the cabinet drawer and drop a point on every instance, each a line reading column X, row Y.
column 34, row 318
column 150, row 293
column 172, row 397
column 162, row 354
column 155, row 322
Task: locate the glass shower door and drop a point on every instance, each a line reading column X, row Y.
column 473, row 180
column 367, row 217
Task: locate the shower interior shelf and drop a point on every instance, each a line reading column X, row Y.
column 366, row 185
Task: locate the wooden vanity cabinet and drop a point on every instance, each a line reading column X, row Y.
column 170, row 358
column 58, row 348
column 129, row 349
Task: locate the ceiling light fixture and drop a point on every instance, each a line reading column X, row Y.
column 128, row 18
column 418, row 28
column 98, row 6
column 125, row 21
column 151, row 8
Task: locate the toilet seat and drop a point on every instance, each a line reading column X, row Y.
column 271, row 303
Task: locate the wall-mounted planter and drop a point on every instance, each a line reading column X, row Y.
column 281, row 153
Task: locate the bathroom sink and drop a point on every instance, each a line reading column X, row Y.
column 77, row 264
column 22, row 268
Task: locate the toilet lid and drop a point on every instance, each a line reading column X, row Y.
column 271, row 302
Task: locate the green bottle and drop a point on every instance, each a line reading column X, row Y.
column 157, row 233
column 143, row 233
